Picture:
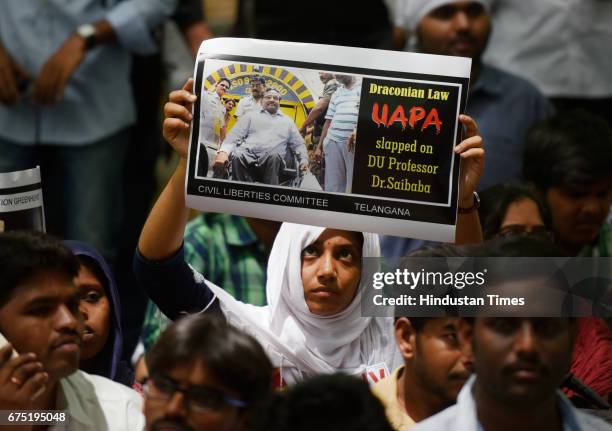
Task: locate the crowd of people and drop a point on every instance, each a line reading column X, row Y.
column 257, row 325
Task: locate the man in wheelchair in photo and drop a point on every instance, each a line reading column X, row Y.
column 264, row 146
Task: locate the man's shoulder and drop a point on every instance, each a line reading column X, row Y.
column 330, row 87
column 102, row 388
column 246, row 100
column 386, row 392
column 339, row 92
column 507, row 80
column 384, row 389
column 444, row 420
column 97, row 403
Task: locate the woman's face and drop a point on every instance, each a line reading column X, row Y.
column 522, row 216
column 331, row 270
column 95, row 308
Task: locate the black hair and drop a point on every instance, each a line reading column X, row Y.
column 572, row 149
column 335, row 402
column 226, row 80
column 258, row 78
column 523, row 246
column 427, row 251
column 418, row 323
column 497, row 270
column 26, row 254
column 94, row 267
column 494, row 203
column 236, row 360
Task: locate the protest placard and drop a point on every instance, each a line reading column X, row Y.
column 379, row 157
column 21, row 201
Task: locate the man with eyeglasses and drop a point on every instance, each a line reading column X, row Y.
column 205, row 375
column 212, row 124
column 265, row 135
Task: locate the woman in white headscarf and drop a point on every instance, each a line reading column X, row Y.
column 312, row 323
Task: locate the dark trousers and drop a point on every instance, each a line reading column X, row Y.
column 250, row 167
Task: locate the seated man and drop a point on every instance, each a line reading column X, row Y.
column 520, row 363
column 221, row 374
column 568, row 160
column 434, row 371
column 258, row 143
column 39, row 316
column 435, row 364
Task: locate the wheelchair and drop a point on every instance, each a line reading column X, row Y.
column 290, row 174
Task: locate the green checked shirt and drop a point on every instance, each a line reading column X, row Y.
column 225, row 250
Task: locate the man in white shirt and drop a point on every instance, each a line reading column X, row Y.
column 258, row 143
column 520, row 363
column 40, row 318
column 434, row 371
column 253, row 100
column 212, row 124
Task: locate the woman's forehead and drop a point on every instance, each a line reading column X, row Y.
column 342, row 236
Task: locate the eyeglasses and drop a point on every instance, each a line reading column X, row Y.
column 514, row 230
column 198, row 398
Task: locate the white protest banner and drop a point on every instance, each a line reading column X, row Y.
column 378, row 156
column 21, row 201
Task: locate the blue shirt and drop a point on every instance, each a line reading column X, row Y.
column 463, row 417
column 343, row 111
column 504, row 107
column 265, row 133
column 97, row 100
